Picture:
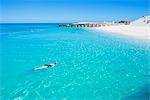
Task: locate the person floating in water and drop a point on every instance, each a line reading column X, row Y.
column 46, row 66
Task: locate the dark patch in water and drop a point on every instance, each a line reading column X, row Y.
column 146, row 76
column 143, row 94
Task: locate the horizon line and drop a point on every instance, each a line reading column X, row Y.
column 54, row 22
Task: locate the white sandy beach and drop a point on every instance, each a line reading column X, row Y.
column 139, row 28
column 140, row 32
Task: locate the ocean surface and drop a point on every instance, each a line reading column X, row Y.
column 91, row 65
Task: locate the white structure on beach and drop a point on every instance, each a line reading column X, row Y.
column 145, row 20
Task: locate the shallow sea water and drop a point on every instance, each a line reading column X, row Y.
column 91, row 65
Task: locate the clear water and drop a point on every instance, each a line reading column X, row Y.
column 91, row 65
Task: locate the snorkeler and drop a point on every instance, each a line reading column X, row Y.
column 46, row 66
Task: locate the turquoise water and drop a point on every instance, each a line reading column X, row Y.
column 91, row 65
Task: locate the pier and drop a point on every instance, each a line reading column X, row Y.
column 94, row 24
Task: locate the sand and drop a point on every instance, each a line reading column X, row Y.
column 139, row 32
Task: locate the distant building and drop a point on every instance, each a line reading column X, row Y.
column 124, row 22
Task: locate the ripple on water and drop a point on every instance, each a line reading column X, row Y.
column 90, row 65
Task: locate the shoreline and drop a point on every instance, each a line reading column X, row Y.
column 139, row 32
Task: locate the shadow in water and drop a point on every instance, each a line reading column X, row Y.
column 143, row 94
